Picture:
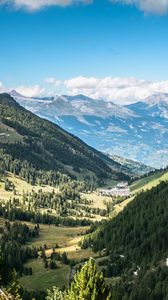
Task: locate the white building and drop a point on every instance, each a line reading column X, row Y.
column 121, row 190
column 122, row 185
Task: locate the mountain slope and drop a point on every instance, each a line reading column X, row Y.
column 138, row 131
column 46, row 145
column 137, row 244
column 122, row 234
column 132, row 167
column 153, row 106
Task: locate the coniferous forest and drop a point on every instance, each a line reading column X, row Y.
column 136, row 242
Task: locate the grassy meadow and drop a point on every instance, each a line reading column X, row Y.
column 149, row 182
column 67, row 238
column 45, row 278
column 21, row 186
column 8, row 134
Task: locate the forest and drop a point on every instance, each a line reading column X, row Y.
column 136, row 243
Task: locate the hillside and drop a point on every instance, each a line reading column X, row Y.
column 137, row 245
column 150, row 181
column 143, row 184
column 132, row 167
column 46, row 146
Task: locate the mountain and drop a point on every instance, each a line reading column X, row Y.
column 26, row 137
column 132, row 167
column 136, row 245
column 30, row 103
column 138, row 131
column 153, row 106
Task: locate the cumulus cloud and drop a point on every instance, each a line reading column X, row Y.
column 81, row 83
column 30, row 91
column 38, row 4
column 111, row 89
column 121, row 90
column 159, row 7
column 53, row 81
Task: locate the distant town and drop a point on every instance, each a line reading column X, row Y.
column 121, row 190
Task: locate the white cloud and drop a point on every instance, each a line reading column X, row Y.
column 53, row 81
column 121, row 90
column 81, row 83
column 2, row 89
column 30, row 91
column 38, row 4
column 159, row 7
column 111, row 89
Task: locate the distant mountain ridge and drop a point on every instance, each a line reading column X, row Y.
column 27, row 137
column 137, row 131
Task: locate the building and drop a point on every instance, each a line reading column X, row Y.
column 121, row 190
column 122, row 185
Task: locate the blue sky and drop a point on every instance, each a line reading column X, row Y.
column 47, row 48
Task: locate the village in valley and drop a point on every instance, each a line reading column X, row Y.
column 121, row 190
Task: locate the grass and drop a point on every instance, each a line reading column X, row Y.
column 9, row 134
column 43, row 279
column 67, row 238
column 149, row 182
column 142, row 185
column 137, row 187
column 80, row 254
column 98, row 201
column 21, row 186
column 52, row 235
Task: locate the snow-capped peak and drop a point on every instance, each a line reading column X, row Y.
column 14, row 94
column 156, row 99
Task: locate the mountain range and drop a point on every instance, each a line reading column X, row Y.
column 28, row 139
column 137, row 131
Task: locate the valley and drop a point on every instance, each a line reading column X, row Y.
column 53, row 214
column 83, row 150
column 66, row 239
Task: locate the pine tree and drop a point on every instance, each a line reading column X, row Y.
column 88, row 284
column 65, row 258
column 55, row 294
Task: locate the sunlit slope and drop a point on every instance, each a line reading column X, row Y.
column 149, row 182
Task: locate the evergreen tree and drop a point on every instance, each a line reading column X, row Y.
column 88, row 284
column 65, row 258
column 55, row 294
